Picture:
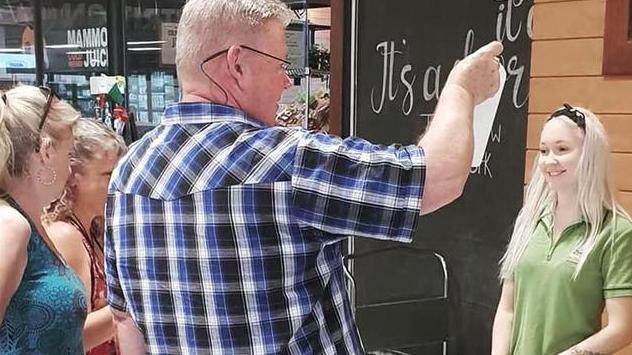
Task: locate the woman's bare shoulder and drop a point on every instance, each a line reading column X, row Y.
column 15, row 227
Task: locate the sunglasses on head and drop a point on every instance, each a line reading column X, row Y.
column 572, row 113
column 50, row 94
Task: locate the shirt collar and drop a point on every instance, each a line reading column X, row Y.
column 206, row 112
column 546, row 218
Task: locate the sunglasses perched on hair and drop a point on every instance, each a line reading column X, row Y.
column 285, row 65
column 50, row 94
column 574, row 114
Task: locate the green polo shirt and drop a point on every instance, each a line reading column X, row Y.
column 552, row 311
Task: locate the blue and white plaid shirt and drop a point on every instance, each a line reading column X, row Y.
column 224, row 236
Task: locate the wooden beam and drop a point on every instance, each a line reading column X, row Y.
column 567, row 57
column 568, row 19
column 598, row 94
column 336, row 60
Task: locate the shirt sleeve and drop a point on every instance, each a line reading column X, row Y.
column 351, row 187
column 114, row 291
column 617, row 263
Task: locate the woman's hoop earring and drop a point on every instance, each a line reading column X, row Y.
column 52, row 179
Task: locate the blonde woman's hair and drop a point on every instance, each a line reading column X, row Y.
column 21, row 110
column 92, row 140
column 595, row 196
column 209, row 26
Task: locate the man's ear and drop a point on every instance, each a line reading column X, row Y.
column 233, row 57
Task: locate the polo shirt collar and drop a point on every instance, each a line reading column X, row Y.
column 546, row 218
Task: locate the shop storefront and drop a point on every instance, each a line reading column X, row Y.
column 64, row 43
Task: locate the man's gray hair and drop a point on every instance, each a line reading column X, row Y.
column 207, row 26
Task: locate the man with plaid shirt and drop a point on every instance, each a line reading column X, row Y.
column 223, row 233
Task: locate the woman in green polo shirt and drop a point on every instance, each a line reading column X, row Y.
column 570, row 253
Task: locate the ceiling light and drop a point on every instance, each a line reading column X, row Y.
column 136, row 43
column 144, row 49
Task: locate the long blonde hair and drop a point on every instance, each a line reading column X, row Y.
column 595, row 197
column 21, row 110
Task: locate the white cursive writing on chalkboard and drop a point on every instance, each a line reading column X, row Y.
column 431, row 83
column 401, row 89
column 484, row 169
column 497, row 134
column 389, row 55
column 508, row 30
column 504, row 27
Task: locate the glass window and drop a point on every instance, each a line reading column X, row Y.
column 17, row 58
column 150, row 30
column 75, row 48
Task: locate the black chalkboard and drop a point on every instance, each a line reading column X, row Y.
column 401, row 54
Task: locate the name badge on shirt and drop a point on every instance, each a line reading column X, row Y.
column 575, row 255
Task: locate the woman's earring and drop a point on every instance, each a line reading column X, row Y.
column 51, row 180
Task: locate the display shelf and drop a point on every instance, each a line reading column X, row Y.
column 306, row 103
column 301, row 4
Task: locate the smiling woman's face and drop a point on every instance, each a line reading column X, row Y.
column 560, row 150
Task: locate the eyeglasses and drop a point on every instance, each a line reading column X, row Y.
column 50, row 94
column 285, row 65
column 574, row 114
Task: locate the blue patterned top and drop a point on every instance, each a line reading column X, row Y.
column 224, row 236
column 47, row 312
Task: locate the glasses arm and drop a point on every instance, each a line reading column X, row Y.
column 209, row 77
column 266, row 54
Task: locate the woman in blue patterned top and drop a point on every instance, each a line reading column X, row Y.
column 42, row 301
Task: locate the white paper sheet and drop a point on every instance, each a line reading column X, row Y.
column 484, row 115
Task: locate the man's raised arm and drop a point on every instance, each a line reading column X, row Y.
column 448, row 142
